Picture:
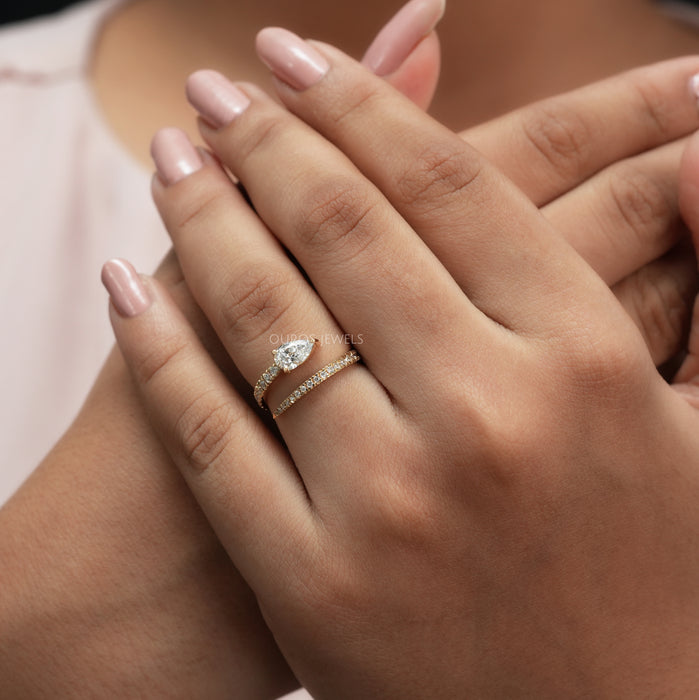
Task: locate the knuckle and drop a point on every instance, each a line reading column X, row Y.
column 338, row 213
column 655, row 107
column 204, row 211
column 254, row 302
column 270, row 127
column 205, row 429
column 509, row 440
column 560, row 135
column 600, row 367
column 502, row 436
column 642, row 202
column 406, row 511
column 360, row 99
column 441, row 171
column 161, row 356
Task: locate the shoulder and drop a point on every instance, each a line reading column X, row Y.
column 53, row 45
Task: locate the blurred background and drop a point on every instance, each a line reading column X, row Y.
column 14, row 11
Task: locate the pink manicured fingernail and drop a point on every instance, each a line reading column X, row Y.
column 174, row 155
column 694, row 86
column 215, row 97
column 400, row 36
column 126, row 290
column 290, row 58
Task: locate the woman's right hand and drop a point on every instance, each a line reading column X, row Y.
column 602, row 163
column 103, row 543
column 436, row 503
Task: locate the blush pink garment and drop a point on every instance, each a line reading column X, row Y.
column 70, row 198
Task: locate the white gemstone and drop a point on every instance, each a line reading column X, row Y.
column 290, row 355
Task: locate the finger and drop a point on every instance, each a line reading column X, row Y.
column 490, row 238
column 355, row 248
column 548, row 148
column 254, row 296
column 418, row 75
column 687, row 378
column 626, row 216
column 406, row 51
column 659, row 299
column 169, row 274
column 689, row 187
column 230, row 462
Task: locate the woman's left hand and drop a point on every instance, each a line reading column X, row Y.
column 501, row 500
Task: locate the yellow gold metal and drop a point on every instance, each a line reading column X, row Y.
column 283, row 363
column 350, row 358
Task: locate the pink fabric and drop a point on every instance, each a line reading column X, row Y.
column 70, row 198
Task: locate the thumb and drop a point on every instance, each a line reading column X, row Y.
column 418, row 75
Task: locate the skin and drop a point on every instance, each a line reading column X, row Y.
column 513, row 510
column 477, row 83
column 104, row 531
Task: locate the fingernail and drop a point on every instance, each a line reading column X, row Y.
column 174, row 155
column 402, row 34
column 290, row 58
column 694, row 86
column 126, row 290
column 215, row 97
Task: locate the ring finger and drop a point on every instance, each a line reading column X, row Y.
column 253, row 295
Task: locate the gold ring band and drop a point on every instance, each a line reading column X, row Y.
column 287, row 357
column 351, row 358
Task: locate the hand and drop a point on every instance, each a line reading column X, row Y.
column 113, row 584
column 501, row 500
column 136, row 575
column 109, row 448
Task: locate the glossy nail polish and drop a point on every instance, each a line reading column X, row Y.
column 290, row 58
column 694, row 87
column 400, row 36
column 174, row 155
column 215, row 97
column 126, row 290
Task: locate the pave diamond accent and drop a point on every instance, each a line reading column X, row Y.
column 351, row 358
column 287, row 357
column 290, row 355
column 264, row 381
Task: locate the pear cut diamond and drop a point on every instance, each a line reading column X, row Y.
column 290, row 355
